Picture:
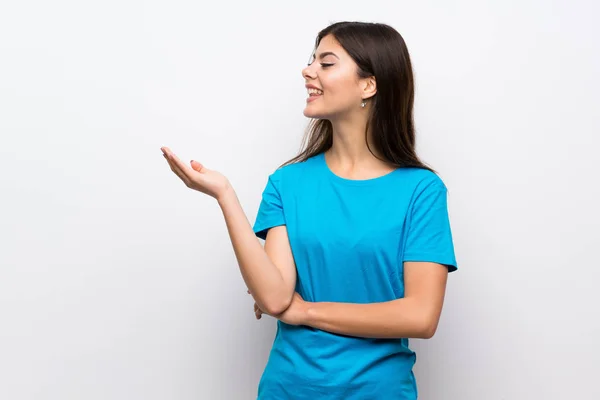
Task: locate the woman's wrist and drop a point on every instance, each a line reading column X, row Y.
column 226, row 196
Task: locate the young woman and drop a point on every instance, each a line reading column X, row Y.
column 358, row 243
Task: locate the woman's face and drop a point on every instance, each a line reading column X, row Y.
column 333, row 73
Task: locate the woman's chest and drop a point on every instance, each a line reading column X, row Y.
column 366, row 224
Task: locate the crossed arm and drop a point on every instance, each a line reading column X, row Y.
column 270, row 275
column 416, row 315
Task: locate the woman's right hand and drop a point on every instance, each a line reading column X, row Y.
column 198, row 177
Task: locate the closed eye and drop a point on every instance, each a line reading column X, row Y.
column 323, row 65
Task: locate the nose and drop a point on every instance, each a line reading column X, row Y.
column 308, row 73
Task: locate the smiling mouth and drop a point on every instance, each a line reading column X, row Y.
column 314, row 92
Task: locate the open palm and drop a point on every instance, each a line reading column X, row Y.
column 197, row 176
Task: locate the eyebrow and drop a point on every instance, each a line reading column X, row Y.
column 328, row 53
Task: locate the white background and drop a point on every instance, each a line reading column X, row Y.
column 118, row 282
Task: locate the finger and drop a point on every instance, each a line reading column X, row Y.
column 174, row 160
column 167, row 152
column 178, row 163
column 185, row 173
column 257, row 311
column 178, row 171
column 196, row 166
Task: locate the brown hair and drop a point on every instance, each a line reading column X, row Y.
column 379, row 51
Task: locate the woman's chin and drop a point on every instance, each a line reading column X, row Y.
column 308, row 113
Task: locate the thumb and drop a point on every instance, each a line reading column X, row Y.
column 196, row 166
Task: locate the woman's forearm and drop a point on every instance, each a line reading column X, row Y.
column 401, row 318
column 261, row 275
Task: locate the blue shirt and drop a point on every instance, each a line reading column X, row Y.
column 349, row 239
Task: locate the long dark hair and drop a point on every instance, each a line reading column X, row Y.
column 379, row 51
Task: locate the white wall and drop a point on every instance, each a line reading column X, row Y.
column 118, row 282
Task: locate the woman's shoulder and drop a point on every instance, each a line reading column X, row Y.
column 421, row 177
column 295, row 170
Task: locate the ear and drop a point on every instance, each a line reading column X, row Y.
column 369, row 87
